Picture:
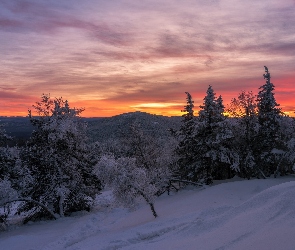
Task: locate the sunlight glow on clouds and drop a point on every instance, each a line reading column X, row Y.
column 114, row 56
column 154, row 105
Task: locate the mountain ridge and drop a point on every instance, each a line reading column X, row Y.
column 100, row 128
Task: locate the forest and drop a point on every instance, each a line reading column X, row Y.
column 60, row 169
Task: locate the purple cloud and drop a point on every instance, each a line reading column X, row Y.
column 42, row 18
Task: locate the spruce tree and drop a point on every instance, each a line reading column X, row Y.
column 213, row 156
column 186, row 146
column 269, row 116
column 268, row 113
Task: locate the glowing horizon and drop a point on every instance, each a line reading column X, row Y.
column 119, row 56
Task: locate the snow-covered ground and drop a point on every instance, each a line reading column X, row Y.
column 240, row 214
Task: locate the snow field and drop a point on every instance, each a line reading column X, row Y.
column 241, row 214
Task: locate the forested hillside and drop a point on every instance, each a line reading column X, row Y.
column 102, row 129
column 99, row 128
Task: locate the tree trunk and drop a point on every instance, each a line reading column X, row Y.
column 61, row 208
column 149, row 202
column 36, row 202
column 153, row 210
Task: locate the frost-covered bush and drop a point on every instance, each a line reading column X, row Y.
column 12, row 168
column 150, row 153
column 130, row 181
column 7, row 193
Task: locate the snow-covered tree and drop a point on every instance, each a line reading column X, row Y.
column 189, row 108
column 212, row 109
column 268, row 113
column 141, row 167
column 13, row 176
column 7, row 193
column 204, row 142
column 186, row 147
column 213, row 156
column 150, row 153
column 290, row 155
column 12, row 169
column 285, row 157
column 128, row 180
column 59, row 159
column 269, row 116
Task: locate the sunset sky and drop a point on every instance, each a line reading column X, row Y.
column 116, row 56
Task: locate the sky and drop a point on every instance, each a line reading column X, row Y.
column 118, row 56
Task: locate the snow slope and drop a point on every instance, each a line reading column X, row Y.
column 241, row 214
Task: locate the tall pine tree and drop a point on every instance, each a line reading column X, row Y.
column 269, row 116
column 214, row 158
column 186, row 146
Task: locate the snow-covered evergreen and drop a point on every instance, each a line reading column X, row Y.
column 268, row 111
column 59, row 160
column 204, row 148
column 186, row 147
column 213, row 134
column 269, row 116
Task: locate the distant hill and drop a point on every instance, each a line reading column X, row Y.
column 112, row 127
column 17, row 126
column 101, row 129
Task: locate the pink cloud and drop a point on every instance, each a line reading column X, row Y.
column 6, row 23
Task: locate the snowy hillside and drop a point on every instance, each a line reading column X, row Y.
column 240, row 214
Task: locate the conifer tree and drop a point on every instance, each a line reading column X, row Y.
column 269, row 116
column 268, row 113
column 186, row 147
column 213, row 157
